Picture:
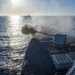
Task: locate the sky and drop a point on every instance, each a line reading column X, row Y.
column 37, row 7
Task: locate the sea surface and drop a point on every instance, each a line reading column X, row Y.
column 13, row 43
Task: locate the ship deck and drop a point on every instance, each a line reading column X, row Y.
column 43, row 58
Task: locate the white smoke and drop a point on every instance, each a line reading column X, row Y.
column 54, row 24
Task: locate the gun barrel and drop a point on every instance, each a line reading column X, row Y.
column 44, row 33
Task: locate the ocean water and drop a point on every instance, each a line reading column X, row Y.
column 13, row 43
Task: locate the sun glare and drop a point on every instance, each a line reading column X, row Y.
column 15, row 2
column 14, row 29
column 15, row 23
column 15, row 18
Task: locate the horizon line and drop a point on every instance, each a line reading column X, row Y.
column 37, row 14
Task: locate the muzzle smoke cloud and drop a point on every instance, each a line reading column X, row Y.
column 56, row 24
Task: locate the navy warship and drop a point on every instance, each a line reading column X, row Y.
column 48, row 56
